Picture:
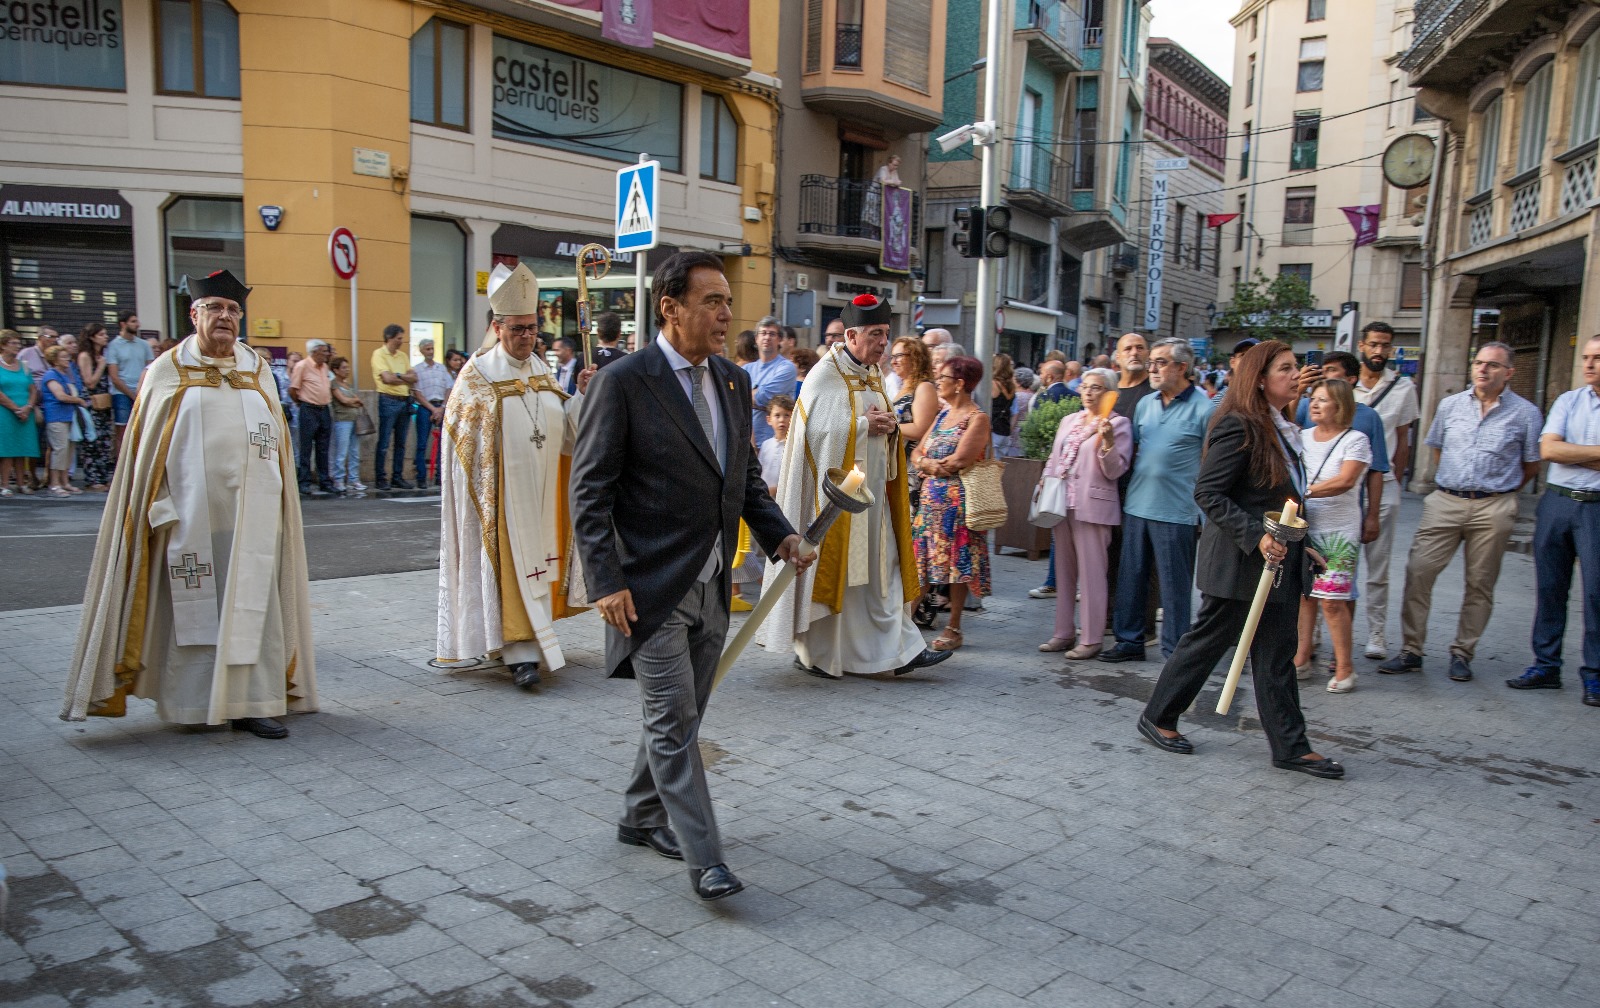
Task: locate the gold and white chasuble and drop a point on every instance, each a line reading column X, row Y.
column 851, row 613
column 505, row 537
column 197, row 598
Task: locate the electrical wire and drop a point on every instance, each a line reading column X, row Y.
column 1282, row 178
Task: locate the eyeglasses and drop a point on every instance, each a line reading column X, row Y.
column 1491, row 364
column 1161, row 362
column 897, row 356
column 519, row 330
column 218, row 308
column 945, row 377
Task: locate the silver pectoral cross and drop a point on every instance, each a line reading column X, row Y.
column 190, row 570
column 538, row 438
column 265, row 441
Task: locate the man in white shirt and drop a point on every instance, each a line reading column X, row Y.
column 1394, row 397
column 430, row 392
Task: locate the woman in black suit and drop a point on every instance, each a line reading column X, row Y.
column 1252, row 465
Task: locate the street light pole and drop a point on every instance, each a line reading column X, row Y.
column 984, row 344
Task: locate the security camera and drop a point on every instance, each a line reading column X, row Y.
column 955, row 138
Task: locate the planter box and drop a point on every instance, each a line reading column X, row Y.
column 1021, row 476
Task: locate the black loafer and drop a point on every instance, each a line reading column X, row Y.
column 928, row 657
column 1122, row 654
column 1402, row 663
column 261, row 727
column 1536, row 678
column 525, row 674
column 714, row 883
column 1460, row 669
column 657, row 838
column 1175, row 743
column 1324, row 767
column 811, row 670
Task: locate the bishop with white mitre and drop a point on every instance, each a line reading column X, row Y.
column 848, row 612
column 505, row 541
column 197, row 598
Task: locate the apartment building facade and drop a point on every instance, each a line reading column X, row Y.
column 188, row 136
column 1318, row 97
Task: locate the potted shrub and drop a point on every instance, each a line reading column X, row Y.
column 1038, row 435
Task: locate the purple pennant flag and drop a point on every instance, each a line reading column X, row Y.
column 628, row 22
column 1365, row 220
column 896, row 257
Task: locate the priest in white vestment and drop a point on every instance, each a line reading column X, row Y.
column 505, row 538
column 848, row 612
column 197, row 598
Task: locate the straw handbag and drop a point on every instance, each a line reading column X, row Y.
column 983, row 495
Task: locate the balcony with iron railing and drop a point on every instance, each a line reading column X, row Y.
column 1451, row 40
column 1093, row 36
column 1054, row 33
column 847, row 46
column 1039, row 181
column 844, row 217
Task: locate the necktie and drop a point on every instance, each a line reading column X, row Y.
column 702, row 409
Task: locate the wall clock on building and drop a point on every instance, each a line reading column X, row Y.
column 1408, row 161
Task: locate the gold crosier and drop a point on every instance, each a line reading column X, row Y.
column 601, row 265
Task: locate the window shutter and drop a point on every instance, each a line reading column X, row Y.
column 813, row 36
column 907, row 40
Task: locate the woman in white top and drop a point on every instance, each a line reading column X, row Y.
column 1336, row 458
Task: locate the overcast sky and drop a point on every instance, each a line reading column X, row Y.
column 1200, row 26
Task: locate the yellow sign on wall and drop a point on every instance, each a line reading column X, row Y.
column 267, row 328
column 483, row 281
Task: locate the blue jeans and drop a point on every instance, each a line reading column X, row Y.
column 1168, row 548
column 393, row 411
column 344, row 458
column 1050, row 577
column 121, row 409
column 424, row 447
column 1567, row 531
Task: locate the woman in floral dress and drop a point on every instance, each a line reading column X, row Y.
column 1336, row 458
column 96, row 456
column 949, row 553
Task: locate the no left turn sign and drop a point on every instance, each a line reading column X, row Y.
column 342, row 252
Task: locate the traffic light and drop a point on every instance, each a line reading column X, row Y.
column 969, row 236
column 996, row 232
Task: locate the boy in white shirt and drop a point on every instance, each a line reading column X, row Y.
column 770, row 453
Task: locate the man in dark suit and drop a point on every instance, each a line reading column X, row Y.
column 662, row 472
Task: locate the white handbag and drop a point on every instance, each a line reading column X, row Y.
column 1049, row 507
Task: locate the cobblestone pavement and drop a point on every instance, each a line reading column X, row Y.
column 990, row 833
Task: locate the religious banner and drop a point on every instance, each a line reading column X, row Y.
column 1365, row 221
column 629, row 22
column 896, row 256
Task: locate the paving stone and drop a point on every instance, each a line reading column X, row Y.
column 446, row 970
column 177, row 933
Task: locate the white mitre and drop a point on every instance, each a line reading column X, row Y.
column 518, row 295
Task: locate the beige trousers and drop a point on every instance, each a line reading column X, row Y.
column 1447, row 521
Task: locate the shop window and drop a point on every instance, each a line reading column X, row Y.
column 1313, row 55
column 1303, row 149
column 440, row 64
column 933, row 259
column 439, row 281
column 719, row 139
column 203, row 235
column 1410, row 286
column 1534, row 116
column 1488, row 144
column 1586, row 94
column 1299, row 214
column 198, row 48
column 35, row 49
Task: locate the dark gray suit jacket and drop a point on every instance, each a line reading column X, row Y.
column 648, row 498
column 1235, row 505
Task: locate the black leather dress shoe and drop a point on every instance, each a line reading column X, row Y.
column 1536, row 678
column 657, row 838
column 1402, row 663
column 1171, row 743
column 715, row 882
column 928, row 657
column 525, row 674
column 1322, row 767
column 261, row 727
column 1122, row 654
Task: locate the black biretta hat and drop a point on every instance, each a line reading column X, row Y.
column 220, row 284
column 866, row 310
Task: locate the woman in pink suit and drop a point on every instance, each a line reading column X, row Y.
column 1089, row 453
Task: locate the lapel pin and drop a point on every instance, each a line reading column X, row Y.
column 730, row 386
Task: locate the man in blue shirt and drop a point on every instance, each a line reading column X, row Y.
column 1568, row 531
column 770, row 374
column 1486, row 443
column 1160, row 520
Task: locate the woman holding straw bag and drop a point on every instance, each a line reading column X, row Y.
column 948, row 551
column 1091, row 451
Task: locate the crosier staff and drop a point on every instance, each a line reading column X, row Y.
column 601, row 266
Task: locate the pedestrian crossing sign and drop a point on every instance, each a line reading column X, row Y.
column 637, row 190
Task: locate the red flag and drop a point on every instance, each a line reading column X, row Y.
column 1216, row 220
column 1365, row 220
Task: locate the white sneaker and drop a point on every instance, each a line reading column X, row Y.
column 357, row 485
column 1043, row 591
column 1377, row 646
